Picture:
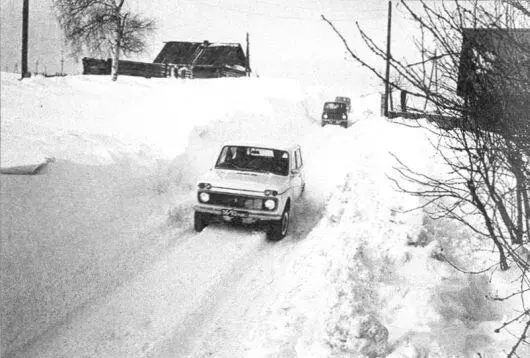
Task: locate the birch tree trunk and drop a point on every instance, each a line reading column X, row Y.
column 116, row 55
column 120, row 24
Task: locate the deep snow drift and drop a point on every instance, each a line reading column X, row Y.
column 99, row 259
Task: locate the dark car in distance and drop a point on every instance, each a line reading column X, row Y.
column 346, row 100
column 335, row 113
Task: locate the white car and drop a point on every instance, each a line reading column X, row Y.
column 252, row 183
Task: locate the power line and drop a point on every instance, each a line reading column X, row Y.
column 320, row 9
column 448, row 1
column 282, row 17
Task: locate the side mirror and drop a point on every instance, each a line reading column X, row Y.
column 295, row 171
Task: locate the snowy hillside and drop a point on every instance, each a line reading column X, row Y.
column 99, row 257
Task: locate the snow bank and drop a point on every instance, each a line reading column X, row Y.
column 92, row 120
column 371, row 280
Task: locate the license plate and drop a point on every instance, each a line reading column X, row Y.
column 234, row 213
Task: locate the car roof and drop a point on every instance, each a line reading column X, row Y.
column 269, row 144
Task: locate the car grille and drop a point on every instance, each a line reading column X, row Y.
column 334, row 115
column 236, row 201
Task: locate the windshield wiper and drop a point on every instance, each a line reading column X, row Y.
column 259, row 170
column 232, row 166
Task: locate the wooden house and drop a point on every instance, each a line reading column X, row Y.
column 494, row 77
column 204, row 59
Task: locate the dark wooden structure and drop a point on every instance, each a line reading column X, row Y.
column 92, row 66
column 494, row 77
column 95, row 66
column 204, row 59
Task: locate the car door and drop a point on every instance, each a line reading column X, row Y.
column 297, row 173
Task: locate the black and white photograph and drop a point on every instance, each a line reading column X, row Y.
column 266, row 178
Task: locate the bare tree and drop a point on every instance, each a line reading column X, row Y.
column 480, row 102
column 104, row 27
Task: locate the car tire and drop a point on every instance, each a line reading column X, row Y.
column 323, row 124
column 278, row 228
column 344, row 125
column 200, row 221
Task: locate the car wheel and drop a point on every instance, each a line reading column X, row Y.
column 345, row 125
column 323, row 124
column 278, row 228
column 200, row 221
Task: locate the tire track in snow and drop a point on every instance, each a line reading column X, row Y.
column 237, row 288
column 147, row 311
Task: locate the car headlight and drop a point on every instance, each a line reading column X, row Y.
column 204, row 197
column 206, row 186
column 270, row 204
column 344, row 116
column 325, row 116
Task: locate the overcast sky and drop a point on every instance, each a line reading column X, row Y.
column 288, row 38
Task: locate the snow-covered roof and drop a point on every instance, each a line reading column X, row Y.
column 222, row 44
column 202, row 54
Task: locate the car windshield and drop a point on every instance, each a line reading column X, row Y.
column 254, row 159
column 333, row 106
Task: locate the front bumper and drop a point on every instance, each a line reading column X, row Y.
column 249, row 214
column 334, row 121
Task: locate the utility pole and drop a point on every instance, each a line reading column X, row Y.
column 25, row 20
column 387, row 76
column 36, row 66
column 248, row 56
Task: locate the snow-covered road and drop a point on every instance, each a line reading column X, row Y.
column 208, row 289
column 100, row 225
column 221, row 323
